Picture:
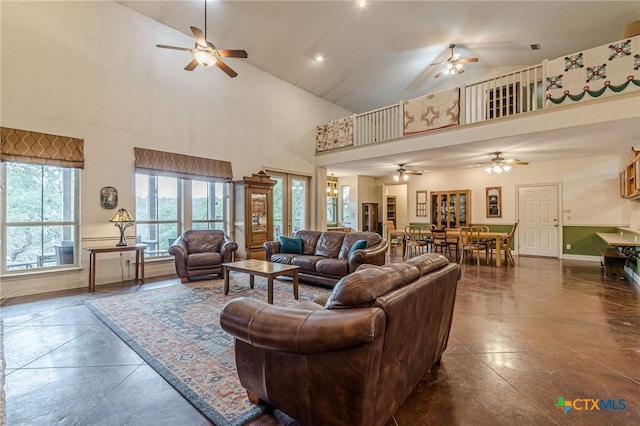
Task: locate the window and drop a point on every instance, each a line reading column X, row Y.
column 158, row 199
column 40, row 220
column 208, row 205
column 346, row 218
column 175, row 192
column 166, row 206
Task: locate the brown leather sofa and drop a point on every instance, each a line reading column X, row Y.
column 356, row 359
column 201, row 252
column 325, row 256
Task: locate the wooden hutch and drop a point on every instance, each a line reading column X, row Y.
column 253, row 214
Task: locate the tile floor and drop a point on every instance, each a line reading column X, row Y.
column 522, row 337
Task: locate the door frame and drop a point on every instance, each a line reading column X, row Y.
column 558, row 186
column 288, row 177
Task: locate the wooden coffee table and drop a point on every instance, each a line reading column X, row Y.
column 261, row 268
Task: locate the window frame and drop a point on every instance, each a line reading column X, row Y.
column 5, row 224
column 184, row 205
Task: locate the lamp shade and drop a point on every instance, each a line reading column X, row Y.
column 122, row 219
column 122, row 215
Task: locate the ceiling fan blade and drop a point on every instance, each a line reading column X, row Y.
column 439, row 73
column 224, row 67
column 186, row 49
column 231, row 53
column 413, row 172
column 199, row 36
column 515, row 162
column 467, row 60
column 191, row 65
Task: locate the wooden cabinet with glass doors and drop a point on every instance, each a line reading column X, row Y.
column 254, row 214
column 451, row 209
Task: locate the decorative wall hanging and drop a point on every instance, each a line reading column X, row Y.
column 334, row 134
column 432, row 111
column 593, row 73
column 108, row 197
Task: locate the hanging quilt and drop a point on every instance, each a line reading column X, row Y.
column 432, row 111
column 593, row 73
column 334, row 134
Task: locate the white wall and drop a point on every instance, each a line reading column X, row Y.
column 590, row 190
column 91, row 70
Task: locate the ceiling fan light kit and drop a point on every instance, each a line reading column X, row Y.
column 454, row 65
column 500, row 165
column 206, row 53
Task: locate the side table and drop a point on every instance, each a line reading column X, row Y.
column 138, row 248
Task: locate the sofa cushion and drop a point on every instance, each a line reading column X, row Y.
column 306, row 263
column 291, row 245
column 350, row 239
column 309, row 240
column 196, row 260
column 202, row 242
column 428, row 262
column 361, row 288
column 329, row 244
column 283, row 257
column 331, row 266
column 358, row 245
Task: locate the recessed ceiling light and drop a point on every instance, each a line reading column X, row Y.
column 318, row 58
column 362, row 3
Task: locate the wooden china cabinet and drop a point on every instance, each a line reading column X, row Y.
column 451, row 209
column 253, row 214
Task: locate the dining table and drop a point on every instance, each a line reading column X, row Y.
column 497, row 237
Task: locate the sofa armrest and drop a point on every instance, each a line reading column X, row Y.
column 374, row 256
column 180, row 252
column 300, row 330
column 227, row 249
column 271, row 247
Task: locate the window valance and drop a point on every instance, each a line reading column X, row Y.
column 182, row 166
column 26, row 146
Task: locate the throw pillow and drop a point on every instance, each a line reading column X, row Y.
column 291, row 245
column 360, row 244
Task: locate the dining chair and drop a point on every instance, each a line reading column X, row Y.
column 506, row 246
column 470, row 242
column 394, row 240
column 415, row 243
column 444, row 243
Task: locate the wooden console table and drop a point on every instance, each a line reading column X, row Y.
column 138, row 248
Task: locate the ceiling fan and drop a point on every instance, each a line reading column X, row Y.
column 402, row 174
column 499, row 164
column 453, row 65
column 206, row 53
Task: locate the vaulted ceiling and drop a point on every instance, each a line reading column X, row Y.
column 384, row 52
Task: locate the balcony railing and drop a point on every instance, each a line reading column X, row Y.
column 612, row 69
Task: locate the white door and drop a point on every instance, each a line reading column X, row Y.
column 538, row 220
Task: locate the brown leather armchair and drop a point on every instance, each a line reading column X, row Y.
column 356, row 359
column 201, row 252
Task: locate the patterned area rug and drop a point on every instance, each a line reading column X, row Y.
column 176, row 330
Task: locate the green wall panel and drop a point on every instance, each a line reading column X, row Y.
column 583, row 239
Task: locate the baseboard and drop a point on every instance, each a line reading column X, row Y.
column 581, row 257
column 635, row 278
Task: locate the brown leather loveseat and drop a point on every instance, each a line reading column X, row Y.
column 356, row 359
column 200, row 252
column 326, row 257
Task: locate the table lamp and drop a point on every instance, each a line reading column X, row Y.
column 122, row 220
